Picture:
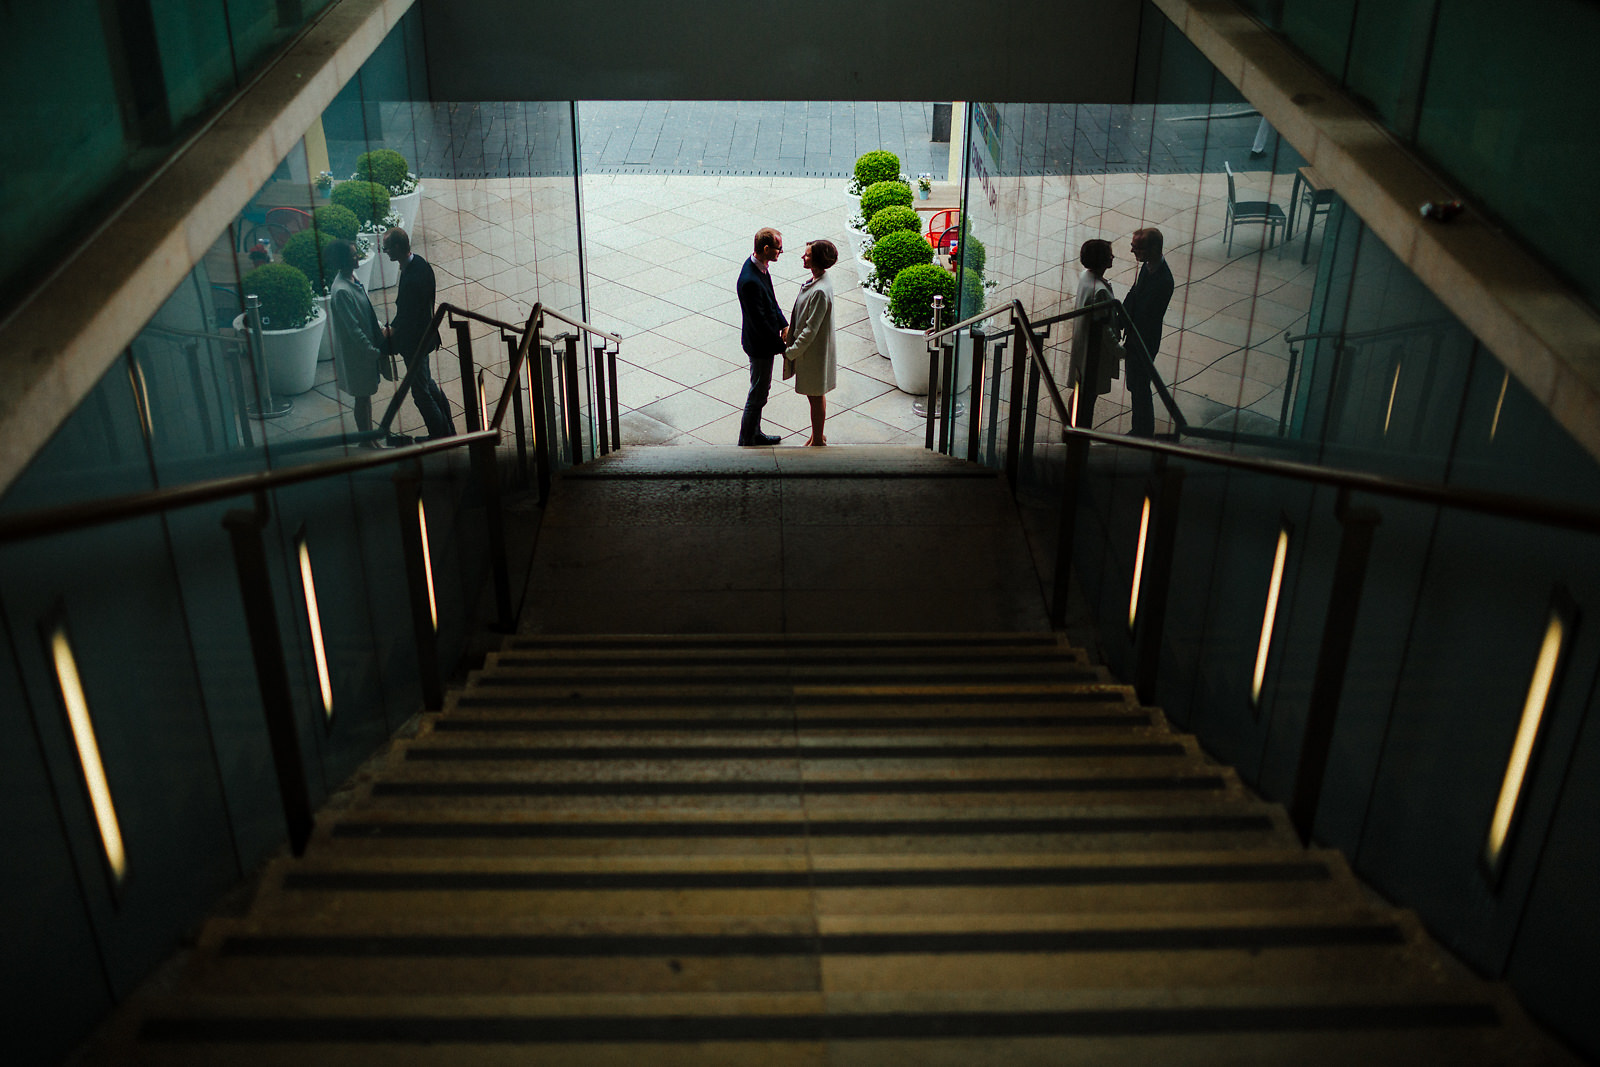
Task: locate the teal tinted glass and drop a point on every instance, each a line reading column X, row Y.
column 196, row 58
column 1321, row 29
column 260, row 25
column 1387, row 53
column 1510, row 109
column 63, row 132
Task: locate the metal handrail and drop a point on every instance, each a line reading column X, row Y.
column 45, row 521
column 1504, row 505
column 1367, row 335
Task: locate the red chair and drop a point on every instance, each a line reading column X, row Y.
column 284, row 222
column 940, row 225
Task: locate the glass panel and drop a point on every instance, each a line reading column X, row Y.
column 258, row 26
column 1508, row 110
column 196, row 56
column 63, row 130
column 1321, row 29
column 1387, row 53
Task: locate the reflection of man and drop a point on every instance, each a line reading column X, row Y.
column 413, row 318
column 357, row 339
column 761, row 336
column 1146, row 305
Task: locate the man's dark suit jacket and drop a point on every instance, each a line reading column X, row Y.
column 762, row 332
column 1146, row 303
column 413, row 309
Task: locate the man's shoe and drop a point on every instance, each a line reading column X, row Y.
column 767, row 439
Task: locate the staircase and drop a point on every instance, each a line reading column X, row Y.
column 895, row 849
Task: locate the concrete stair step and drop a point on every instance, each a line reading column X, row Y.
column 785, row 694
column 1334, row 1024
column 976, row 829
column 969, row 644
column 992, row 883
column 836, row 954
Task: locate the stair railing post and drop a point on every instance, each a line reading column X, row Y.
column 602, row 407
column 518, row 422
column 980, row 353
column 616, row 416
column 485, row 458
column 469, row 375
column 1338, row 634
column 1082, row 414
column 1156, row 580
column 424, row 625
column 1021, row 358
column 244, row 528
column 573, row 397
column 538, row 368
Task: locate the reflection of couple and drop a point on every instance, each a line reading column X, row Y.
column 807, row 343
column 360, row 344
column 1145, row 306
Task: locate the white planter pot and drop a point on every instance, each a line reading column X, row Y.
column 407, row 206
column 290, row 355
column 908, row 353
column 877, row 306
column 382, row 274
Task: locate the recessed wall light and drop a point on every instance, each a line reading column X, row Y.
column 81, row 724
column 427, row 561
column 1138, row 564
column 1394, row 387
column 1515, row 780
column 1264, row 645
column 308, row 586
column 1494, row 427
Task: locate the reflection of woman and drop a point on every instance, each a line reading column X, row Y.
column 810, row 354
column 1092, row 289
column 357, row 337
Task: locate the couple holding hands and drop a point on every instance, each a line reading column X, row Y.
column 805, row 340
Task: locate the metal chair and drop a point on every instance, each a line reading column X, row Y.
column 1264, row 212
column 940, row 223
column 284, row 222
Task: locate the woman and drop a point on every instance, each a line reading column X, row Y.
column 1095, row 255
column 810, row 355
column 357, row 337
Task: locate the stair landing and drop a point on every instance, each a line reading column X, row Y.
column 857, row 539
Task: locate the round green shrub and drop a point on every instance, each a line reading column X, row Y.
column 368, row 201
column 896, row 252
column 911, row 296
column 891, row 219
column 285, row 296
column 877, row 166
column 307, row 252
column 882, row 195
column 973, row 255
column 335, row 221
column 385, row 167
column 973, row 294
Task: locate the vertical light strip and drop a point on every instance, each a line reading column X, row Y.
column 1394, row 387
column 141, row 396
column 1494, row 427
column 1138, row 565
column 483, row 405
column 94, row 772
column 1072, row 409
column 427, row 562
column 314, row 619
column 1264, row 646
column 1505, row 808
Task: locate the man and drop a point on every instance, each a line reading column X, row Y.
column 761, row 335
column 1146, row 305
column 358, row 342
column 413, row 317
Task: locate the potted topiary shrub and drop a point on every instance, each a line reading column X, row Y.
column 875, row 166
column 370, row 203
column 891, row 219
column 897, row 251
column 291, row 326
column 877, row 196
column 909, row 319
column 341, row 222
column 388, row 168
